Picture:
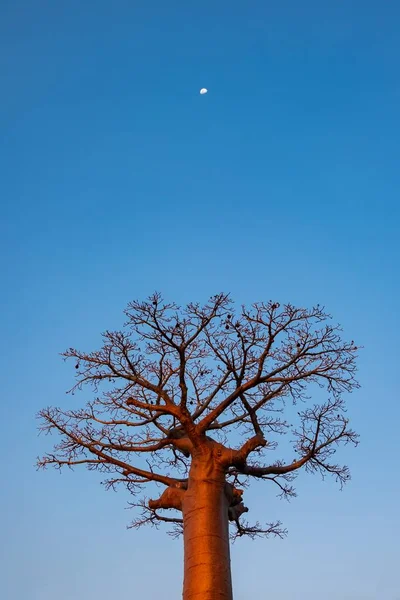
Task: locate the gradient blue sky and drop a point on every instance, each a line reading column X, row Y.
column 117, row 179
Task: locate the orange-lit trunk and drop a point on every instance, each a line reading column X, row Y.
column 207, row 569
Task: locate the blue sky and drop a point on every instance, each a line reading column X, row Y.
column 119, row 179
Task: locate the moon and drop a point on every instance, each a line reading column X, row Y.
column 203, row 91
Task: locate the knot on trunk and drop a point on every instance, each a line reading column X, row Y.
column 236, row 507
column 233, row 494
column 180, row 440
column 172, row 497
column 235, row 512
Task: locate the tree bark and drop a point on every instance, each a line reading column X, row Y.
column 207, row 569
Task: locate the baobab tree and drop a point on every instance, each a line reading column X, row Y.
column 193, row 400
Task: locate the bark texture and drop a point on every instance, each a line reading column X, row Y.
column 207, row 572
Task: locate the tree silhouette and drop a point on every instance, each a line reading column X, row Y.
column 194, row 399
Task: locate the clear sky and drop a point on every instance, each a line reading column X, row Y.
column 118, row 179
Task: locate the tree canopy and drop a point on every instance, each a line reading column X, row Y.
column 176, row 377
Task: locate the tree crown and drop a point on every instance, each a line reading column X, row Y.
column 177, row 381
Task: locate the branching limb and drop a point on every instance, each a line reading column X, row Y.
column 153, row 517
column 258, row 530
column 75, row 444
column 239, row 457
column 323, row 428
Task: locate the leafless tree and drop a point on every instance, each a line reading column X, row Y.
column 194, row 399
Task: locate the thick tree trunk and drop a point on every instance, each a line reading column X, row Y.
column 207, row 570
